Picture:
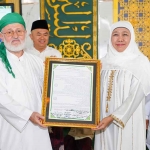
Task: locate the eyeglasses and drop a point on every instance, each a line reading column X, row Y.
column 11, row 33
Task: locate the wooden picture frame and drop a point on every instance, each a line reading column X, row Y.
column 17, row 5
column 77, row 104
column 6, row 8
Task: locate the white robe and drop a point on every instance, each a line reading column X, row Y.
column 19, row 97
column 48, row 52
column 127, row 106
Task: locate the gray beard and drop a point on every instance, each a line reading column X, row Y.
column 13, row 48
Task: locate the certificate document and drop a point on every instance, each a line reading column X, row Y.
column 71, row 94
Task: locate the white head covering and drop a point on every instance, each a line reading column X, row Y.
column 130, row 59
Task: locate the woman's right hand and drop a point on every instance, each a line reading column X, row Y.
column 104, row 123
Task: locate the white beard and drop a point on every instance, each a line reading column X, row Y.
column 13, row 48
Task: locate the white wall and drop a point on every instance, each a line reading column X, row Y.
column 30, row 13
column 105, row 19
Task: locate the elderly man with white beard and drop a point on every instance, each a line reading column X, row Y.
column 21, row 77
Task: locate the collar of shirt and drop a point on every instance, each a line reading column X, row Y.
column 36, row 51
column 14, row 57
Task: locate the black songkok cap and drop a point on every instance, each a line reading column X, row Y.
column 39, row 24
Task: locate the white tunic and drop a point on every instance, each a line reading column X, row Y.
column 48, row 52
column 19, row 97
column 127, row 106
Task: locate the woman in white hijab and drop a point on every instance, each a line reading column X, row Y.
column 124, row 84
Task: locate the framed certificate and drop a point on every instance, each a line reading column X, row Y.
column 71, row 93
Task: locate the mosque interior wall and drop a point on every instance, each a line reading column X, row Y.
column 31, row 12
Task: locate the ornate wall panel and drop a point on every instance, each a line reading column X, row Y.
column 138, row 13
column 73, row 26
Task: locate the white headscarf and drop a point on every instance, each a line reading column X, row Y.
column 130, row 59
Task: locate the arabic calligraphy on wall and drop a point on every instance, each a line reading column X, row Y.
column 73, row 26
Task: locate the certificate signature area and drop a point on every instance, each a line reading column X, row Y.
column 71, row 92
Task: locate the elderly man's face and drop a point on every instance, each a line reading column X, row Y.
column 14, row 36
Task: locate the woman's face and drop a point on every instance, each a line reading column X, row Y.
column 120, row 38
